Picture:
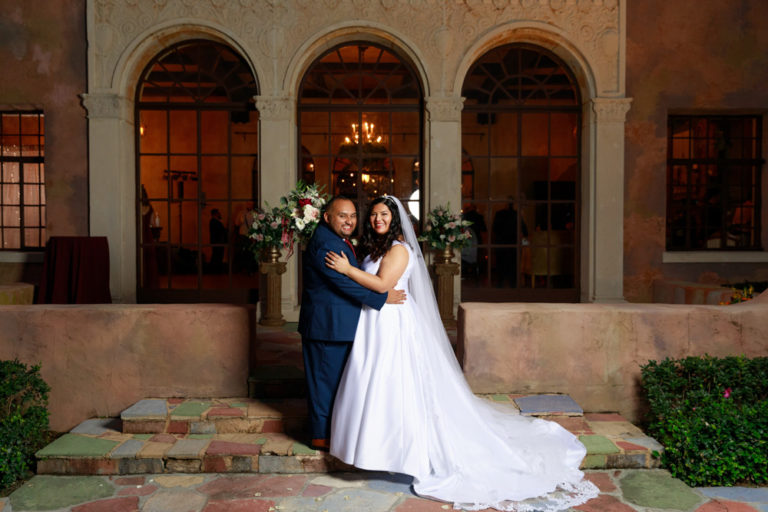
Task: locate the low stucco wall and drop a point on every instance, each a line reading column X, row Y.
column 593, row 352
column 100, row 359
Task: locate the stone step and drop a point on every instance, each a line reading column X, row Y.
column 254, row 416
column 105, row 447
column 277, row 381
column 214, row 416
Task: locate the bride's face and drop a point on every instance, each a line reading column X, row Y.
column 380, row 218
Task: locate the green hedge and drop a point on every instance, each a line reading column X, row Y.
column 23, row 419
column 711, row 416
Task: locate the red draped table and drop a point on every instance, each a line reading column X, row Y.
column 75, row 271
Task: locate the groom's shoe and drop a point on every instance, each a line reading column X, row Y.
column 321, row 444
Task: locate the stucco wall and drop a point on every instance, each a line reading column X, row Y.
column 101, row 359
column 703, row 56
column 43, row 65
column 593, row 352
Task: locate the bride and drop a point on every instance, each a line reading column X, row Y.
column 403, row 404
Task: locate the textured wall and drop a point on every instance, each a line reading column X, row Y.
column 684, row 55
column 593, row 352
column 101, row 359
column 43, row 56
column 42, row 64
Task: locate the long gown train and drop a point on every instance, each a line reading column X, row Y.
column 404, row 406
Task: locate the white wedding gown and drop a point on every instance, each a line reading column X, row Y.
column 404, row 406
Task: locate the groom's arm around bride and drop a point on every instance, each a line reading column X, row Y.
column 330, row 309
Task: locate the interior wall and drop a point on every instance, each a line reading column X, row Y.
column 709, row 58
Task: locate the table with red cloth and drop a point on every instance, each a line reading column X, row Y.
column 75, row 271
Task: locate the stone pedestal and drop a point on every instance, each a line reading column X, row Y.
column 445, row 270
column 271, row 313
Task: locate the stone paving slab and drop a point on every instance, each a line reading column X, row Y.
column 148, row 408
column 188, row 449
column 548, row 405
column 620, row 491
column 76, row 445
column 98, row 426
column 757, row 495
column 129, row 449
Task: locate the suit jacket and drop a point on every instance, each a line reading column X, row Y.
column 331, row 302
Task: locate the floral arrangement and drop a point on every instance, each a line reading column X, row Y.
column 267, row 229
column 303, row 206
column 294, row 221
column 444, row 229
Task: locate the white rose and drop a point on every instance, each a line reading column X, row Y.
column 300, row 224
column 311, row 213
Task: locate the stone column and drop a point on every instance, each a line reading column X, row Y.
column 443, row 166
column 278, row 169
column 111, row 185
column 442, row 170
column 605, row 199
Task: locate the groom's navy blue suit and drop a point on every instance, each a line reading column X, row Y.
column 330, row 309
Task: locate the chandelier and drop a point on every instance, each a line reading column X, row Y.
column 365, row 153
column 363, row 139
column 368, row 134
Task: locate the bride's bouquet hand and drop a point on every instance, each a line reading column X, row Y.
column 337, row 262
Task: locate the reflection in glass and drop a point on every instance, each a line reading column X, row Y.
column 521, row 132
column 360, row 123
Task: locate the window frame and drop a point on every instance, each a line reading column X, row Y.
column 24, row 159
column 696, row 162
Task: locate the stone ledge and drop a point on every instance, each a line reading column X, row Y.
column 594, row 352
column 155, row 350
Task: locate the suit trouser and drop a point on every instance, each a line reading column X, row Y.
column 324, row 363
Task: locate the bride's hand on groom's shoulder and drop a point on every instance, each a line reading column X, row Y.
column 337, row 262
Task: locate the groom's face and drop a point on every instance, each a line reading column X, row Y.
column 342, row 217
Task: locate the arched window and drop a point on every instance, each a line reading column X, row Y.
column 196, row 133
column 360, row 123
column 521, row 130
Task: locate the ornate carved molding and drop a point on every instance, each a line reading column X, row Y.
column 275, row 108
column 439, row 32
column 611, row 110
column 445, row 108
column 106, row 106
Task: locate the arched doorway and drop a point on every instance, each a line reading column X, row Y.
column 196, row 144
column 360, row 124
column 521, row 131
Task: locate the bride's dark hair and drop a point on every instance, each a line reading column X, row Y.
column 371, row 242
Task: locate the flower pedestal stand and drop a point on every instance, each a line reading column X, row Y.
column 272, row 268
column 445, row 269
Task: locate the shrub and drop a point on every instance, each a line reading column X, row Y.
column 711, row 416
column 23, row 419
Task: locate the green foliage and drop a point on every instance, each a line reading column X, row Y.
column 711, row 415
column 23, row 418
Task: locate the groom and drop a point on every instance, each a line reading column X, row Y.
column 330, row 309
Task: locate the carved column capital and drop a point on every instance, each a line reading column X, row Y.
column 275, row 108
column 611, row 110
column 102, row 105
column 445, row 108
